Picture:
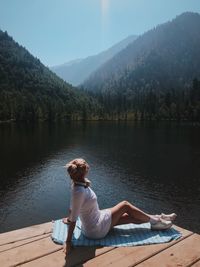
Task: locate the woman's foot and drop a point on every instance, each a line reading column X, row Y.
column 167, row 217
column 160, row 224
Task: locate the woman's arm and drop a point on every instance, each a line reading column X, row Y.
column 67, row 247
column 77, row 199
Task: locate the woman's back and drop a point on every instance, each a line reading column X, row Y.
column 84, row 204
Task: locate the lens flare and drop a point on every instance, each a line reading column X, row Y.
column 104, row 18
column 104, row 7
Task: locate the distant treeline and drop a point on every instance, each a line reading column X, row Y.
column 150, row 104
column 25, row 105
column 29, row 91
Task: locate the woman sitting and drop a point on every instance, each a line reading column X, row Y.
column 97, row 223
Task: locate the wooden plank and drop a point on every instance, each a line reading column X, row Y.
column 24, row 233
column 32, row 246
column 43, row 247
column 183, row 231
column 21, row 242
column 28, row 252
column 129, row 256
column 182, row 254
column 77, row 256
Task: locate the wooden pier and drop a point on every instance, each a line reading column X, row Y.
column 33, row 247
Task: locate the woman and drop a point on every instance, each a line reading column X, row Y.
column 96, row 223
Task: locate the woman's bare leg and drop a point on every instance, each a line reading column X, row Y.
column 125, row 218
column 124, row 212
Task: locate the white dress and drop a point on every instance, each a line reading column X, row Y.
column 95, row 222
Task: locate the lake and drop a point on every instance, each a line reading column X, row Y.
column 155, row 166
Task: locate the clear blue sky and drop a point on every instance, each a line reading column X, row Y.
column 57, row 31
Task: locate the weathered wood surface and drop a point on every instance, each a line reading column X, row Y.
column 25, row 233
column 182, row 254
column 197, row 264
column 132, row 256
column 32, row 246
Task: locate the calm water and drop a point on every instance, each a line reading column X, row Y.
column 156, row 166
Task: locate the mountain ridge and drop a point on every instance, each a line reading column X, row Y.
column 147, row 45
column 76, row 71
column 30, row 91
column 156, row 77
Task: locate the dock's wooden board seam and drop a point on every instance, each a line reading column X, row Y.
column 174, row 242
column 95, row 261
column 41, row 232
column 58, row 258
column 87, row 259
column 182, row 254
column 194, row 263
column 159, row 251
column 35, row 258
column 13, row 246
column 32, row 231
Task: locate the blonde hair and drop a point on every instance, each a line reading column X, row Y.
column 77, row 169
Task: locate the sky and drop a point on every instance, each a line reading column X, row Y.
column 58, row 31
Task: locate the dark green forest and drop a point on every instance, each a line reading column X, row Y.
column 157, row 77
column 151, row 104
column 30, row 91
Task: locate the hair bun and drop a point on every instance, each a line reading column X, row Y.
column 77, row 169
column 71, row 168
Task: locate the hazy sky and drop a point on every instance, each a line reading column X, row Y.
column 57, row 31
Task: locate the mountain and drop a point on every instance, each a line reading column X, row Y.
column 30, row 91
column 155, row 77
column 76, row 71
column 166, row 56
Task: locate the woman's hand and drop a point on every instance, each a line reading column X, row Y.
column 66, row 220
column 67, row 248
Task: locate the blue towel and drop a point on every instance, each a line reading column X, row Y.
column 120, row 236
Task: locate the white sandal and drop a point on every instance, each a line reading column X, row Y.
column 161, row 225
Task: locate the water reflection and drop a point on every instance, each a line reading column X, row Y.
column 154, row 165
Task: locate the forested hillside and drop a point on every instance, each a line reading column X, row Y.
column 30, row 91
column 154, row 77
